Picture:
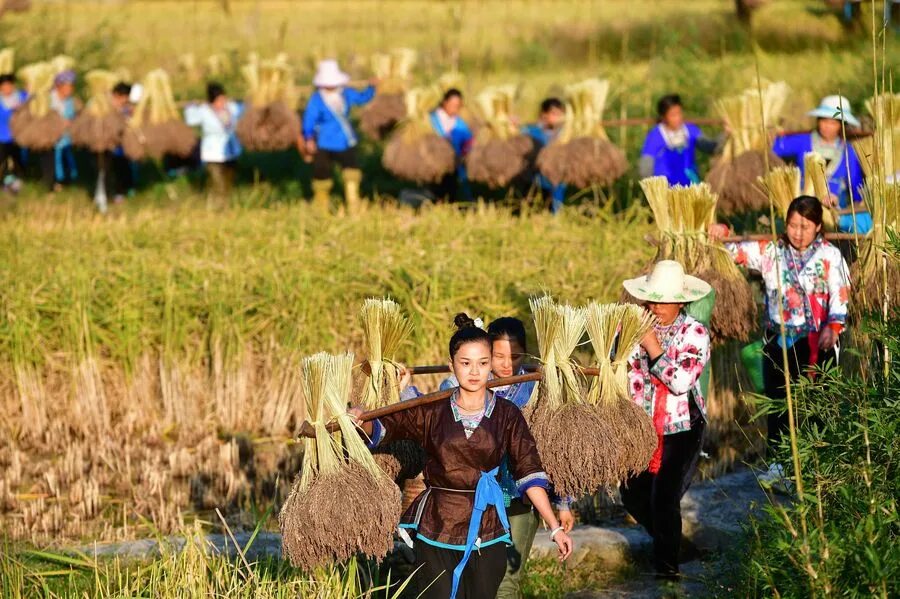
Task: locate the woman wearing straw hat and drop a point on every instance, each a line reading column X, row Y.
column 807, row 291
column 842, row 168
column 664, row 379
column 328, row 136
column 459, row 522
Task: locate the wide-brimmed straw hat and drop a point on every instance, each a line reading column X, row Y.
column 667, row 284
column 329, row 74
column 835, row 107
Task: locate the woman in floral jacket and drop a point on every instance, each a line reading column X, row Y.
column 664, row 379
column 807, row 289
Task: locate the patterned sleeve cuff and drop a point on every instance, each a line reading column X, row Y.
column 537, row 479
column 378, row 432
column 410, row 392
column 660, row 365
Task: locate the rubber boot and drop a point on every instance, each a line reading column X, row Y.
column 352, row 178
column 322, row 194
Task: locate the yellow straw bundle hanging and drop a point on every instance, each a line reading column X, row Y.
column 782, row 185
column 734, row 175
column 386, row 330
column 156, row 129
column 583, row 156
column 34, row 125
column 99, row 127
column 500, row 152
column 394, row 72
column 270, row 122
column 341, row 503
column 414, row 151
column 816, row 185
column 7, row 60
column 876, row 275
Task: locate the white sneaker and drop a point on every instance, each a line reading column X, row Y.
column 775, row 480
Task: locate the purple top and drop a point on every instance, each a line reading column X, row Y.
column 677, row 165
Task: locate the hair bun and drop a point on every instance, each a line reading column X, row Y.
column 462, row 321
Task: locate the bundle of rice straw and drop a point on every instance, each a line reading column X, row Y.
column 879, row 154
column 7, row 60
column 876, row 275
column 341, row 503
column 394, row 71
column 734, row 175
column 35, row 125
column 415, row 151
column 782, row 185
column 500, row 150
column 156, row 129
column 270, row 122
column 386, row 329
column 683, row 216
column 218, row 64
column 14, row 6
column 582, row 155
column 615, row 331
column 99, row 127
column 816, row 185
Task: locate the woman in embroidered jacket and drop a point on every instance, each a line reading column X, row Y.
column 460, row 522
column 219, row 145
column 670, row 148
column 807, row 289
column 448, row 123
column 509, row 347
column 664, row 379
column 328, row 136
column 842, row 168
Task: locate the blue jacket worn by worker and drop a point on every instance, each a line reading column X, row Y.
column 845, row 176
column 461, row 138
column 331, row 130
column 673, row 154
column 8, row 105
column 543, row 136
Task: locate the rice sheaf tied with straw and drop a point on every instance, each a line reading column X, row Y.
column 386, row 329
column 500, row 151
column 683, row 216
column 583, row 156
column 99, row 127
column 394, row 72
column 341, row 503
column 587, row 436
column 414, row 151
column 35, row 125
column 733, row 176
column 156, row 128
column 269, row 123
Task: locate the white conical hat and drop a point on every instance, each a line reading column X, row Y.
column 667, row 284
column 329, row 74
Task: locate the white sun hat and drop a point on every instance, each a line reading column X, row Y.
column 667, row 284
column 137, row 90
column 835, row 107
column 329, row 74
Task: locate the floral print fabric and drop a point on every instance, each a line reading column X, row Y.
column 815, row 283
column 676, row 373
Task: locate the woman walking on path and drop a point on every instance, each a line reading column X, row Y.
column 459, row 522
column 329, row 138
column 664, row 379
column 807, row 290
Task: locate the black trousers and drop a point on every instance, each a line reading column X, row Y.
column 324, row 161
column 480, row 579
column 10, row 159
column 773, row 376
column 654, row 500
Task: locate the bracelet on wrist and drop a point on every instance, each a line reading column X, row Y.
column 554, row 531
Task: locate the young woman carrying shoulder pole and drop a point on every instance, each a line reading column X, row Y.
column 447, row 122
column 459, row 523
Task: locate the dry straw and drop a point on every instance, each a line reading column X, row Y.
column 99, row 127
column 782, row 185
column 394, row 73
column 386, row 329
column 628, row 435
column 583, row 156
column 876, row 275
column 156, row 127
column 35, row 125
column 341, row 504
column 734, row 175
column 415, row 151
column 7, row 60
column 500, row 153
column 816, row 185
column 683, row 216
column 270, row 122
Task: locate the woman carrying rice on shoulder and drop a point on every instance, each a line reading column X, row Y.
column 447, row 122
column 509, row 347
column 664, row 379
column 807, row 290
column 460, row 521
